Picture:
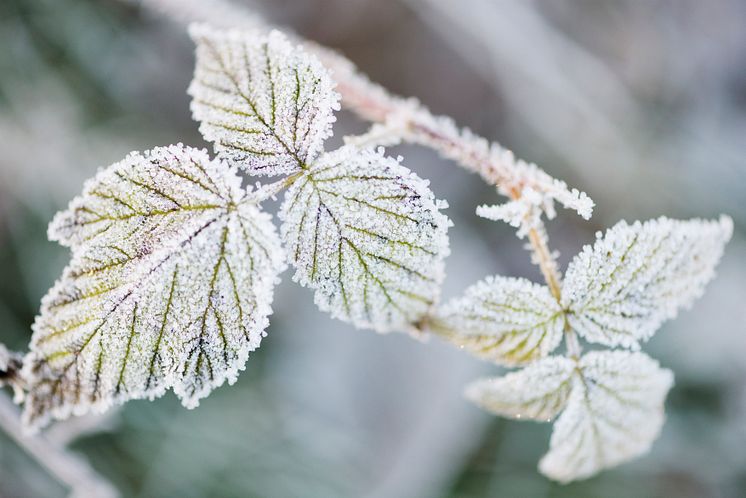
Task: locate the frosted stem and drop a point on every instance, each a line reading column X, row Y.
column 538, row 241
column 542, row 255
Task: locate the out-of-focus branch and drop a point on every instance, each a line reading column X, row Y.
column 70, row 469
column 49, row 451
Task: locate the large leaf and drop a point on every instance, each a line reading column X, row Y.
column 265, row 104
column 510, row 321
column 637, row 276
column 537, row 392
column 366, row 233
column 614, row 413
column 170, row 285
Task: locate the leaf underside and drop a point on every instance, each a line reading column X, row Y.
column 265, row 104
column 637, row 276
column 613, row 414
column 169, row 286
column 510, row 321
column 366, row 234
column 537, row 392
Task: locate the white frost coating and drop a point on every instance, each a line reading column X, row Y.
column 170, row 285
column 614, row 414
column 637, row 276
column 523, row 213
column 538, row 392
column 366, row 233
column 266, row 105
column 510, row 321
column 517, row 179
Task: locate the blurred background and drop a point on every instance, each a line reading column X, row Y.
column 642, row 104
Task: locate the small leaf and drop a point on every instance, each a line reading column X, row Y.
column 614, row 413
column 637, row 276
column 266, row 104
column 366, row 234
column 170, row 285
column 537, row 392
column 510, row 321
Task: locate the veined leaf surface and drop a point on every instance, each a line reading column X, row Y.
column 614, row 413
column 510, row 321
column 537, row 392
column 637, row 276
column 367, row 235
column 265, row 104
column 170, row 285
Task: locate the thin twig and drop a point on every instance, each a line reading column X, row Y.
column 548, row 265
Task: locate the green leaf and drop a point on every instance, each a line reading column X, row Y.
column 367, row 235
column 637, row 276
column 265, row 104
column 169, row 286
column 510, row 321
column 614, row 413
column 537, row 392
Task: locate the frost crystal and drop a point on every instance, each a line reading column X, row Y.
column 637, row 276
column 517, row 179
column 170, row 285
column 510, row 321
column 614, row 413
column 537, row 392
column 367, row 234
column 266, row 104
column 523, row 214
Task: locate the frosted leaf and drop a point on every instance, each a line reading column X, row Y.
column 366, row 233
column 614, row 413
column 637, row 276
column 510, row 321
column 169, row 286
column 266, row 104
column 537, row 392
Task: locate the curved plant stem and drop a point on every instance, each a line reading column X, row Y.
column 547, row 264
column 543, row 256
